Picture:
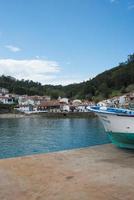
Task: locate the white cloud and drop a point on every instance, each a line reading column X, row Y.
column 35, row 69
column 12, row 48
column 39, row 70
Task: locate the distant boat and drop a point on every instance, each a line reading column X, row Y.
column 118, row 123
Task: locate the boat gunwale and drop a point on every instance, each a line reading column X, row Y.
column 112, row 112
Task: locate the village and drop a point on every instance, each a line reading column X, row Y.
column 38, row 104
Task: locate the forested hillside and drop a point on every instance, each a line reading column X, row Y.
column 112, row 82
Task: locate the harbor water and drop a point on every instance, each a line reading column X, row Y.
column 34, row 135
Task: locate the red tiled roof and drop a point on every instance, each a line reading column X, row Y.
column 3, row 97
column 50, row 103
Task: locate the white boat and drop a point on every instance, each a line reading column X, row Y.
column 118, row 123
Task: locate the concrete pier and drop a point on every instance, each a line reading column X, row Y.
column 98, row 173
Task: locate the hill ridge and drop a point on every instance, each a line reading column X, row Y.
column 115, row 81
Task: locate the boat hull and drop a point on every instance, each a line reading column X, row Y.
column 122, row 140
column 120, row 129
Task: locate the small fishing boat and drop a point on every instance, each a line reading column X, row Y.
column 118, row 123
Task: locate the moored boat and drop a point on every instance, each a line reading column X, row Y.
column 118, row 123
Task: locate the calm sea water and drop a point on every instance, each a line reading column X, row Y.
column 28, row 136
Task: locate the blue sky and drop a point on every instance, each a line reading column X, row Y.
column 64, row 41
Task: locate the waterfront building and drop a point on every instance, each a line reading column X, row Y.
column 51, row 106
column 4, row 91
column 64, row 100
column 32, row 100
column 6, row 100
column 76, row 102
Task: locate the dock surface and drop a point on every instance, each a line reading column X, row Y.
column 96, row 173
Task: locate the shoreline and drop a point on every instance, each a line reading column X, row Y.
column 51, row 115
column 11, row 115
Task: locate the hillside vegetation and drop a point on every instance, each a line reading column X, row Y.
column 112, row 82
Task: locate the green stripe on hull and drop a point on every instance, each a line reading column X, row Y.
column 123, row 140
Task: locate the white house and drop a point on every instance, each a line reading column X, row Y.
column 4, row 91
column 122, row 100
column 65, row 108
column 32, row 100
column 76, row 102
column 63, row 100
column 25, row 100
column 6, row 100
